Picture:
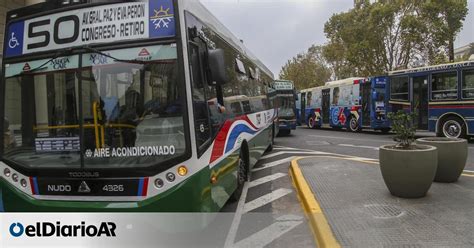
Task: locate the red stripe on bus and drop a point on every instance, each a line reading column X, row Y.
column 452, row 107
column 219, row 143
column 32, row 184
column 145, row 187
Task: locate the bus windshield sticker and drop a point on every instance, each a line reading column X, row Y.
column 61, row 63
column 149, row 53
column 94, row 25
column 111, row 152
column 61, row 144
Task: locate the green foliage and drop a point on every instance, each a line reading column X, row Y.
column 374, row 38
column 444, row 19
column 307, row 69
column 404, row 128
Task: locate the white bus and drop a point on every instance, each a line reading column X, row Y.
column 126, row 106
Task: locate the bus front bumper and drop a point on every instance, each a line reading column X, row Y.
column 182, row 198
column 287, row 124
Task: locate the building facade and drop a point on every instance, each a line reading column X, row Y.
column 463, row 51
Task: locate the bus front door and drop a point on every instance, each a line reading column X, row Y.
column 365, row 89
column 303, row 108
column 420, row 101
column 325, row 105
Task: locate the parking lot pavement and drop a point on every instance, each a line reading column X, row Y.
column 355, row 203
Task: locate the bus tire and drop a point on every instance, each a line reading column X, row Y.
column 453, row 127
column 311, row 122
column 272, row 141
column 284, row 132
column 385, row 130
column 242, row 175
column 353, row 125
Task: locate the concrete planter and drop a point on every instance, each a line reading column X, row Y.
column 408, row 173
column 452, row 156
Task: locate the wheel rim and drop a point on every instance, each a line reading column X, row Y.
column 452, row 129
column 353, row 124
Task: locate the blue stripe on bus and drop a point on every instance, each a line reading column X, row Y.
column 2, row 209
column 140, row 186
column 35, row 186
column 238, row 129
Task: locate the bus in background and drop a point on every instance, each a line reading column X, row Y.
column 284, row 98
column 135, row 112
column 353, row 104
column 442, row 96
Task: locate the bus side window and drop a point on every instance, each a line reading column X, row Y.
column 468, row 84
column 200, row 103
column 246, row 107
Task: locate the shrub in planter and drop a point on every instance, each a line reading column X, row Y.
column 408, row 169
column 452, row 156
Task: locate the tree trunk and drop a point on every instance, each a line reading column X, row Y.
column 451, row 49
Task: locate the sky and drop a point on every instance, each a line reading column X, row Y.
column 277, row 30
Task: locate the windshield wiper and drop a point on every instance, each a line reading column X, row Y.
column 130, row 61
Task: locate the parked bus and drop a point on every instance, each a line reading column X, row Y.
column 127, row 106
column 352, row 103
column 442, row 96
column 284, row 98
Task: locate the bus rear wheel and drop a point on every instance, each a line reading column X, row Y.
column 242, row 176
column 385, row 130
column 453, row 127
column 311, row 122
column 353, row 124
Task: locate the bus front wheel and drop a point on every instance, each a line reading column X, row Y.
column 272, row 140
column 453, row 127
column 242, row 175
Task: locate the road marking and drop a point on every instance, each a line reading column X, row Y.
column 346, row 138
column 469, row 171
column 274, row 163
column 265, row 199
column 229, row 241
column 291, row 152
column 266, row 179
column 284, row 148
column 270, row 233
column 359, row 146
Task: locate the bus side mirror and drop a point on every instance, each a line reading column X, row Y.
column 217, row 67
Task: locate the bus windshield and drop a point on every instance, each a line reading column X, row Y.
column 124, row 114
column 287, row 106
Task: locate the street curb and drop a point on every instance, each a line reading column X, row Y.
column 321, row 230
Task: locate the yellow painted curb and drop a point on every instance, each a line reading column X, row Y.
column 321, row 229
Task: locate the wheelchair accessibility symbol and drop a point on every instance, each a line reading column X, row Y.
column 13, row 42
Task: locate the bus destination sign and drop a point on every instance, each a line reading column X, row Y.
column 283, row 85
column 101, row 24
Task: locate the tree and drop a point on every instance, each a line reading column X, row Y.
column 374, row 38
column 444, row 21
column 308, row 69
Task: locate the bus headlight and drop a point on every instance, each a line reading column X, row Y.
column 6, row 172
column 23, row 183
column 182, row 170
column 159, row 183
column 15, row 177
column 170, row 177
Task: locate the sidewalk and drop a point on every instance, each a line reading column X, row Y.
column 361, row 212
